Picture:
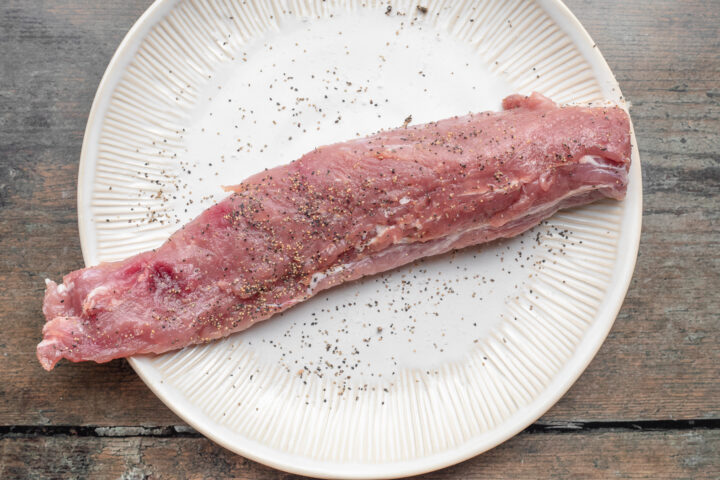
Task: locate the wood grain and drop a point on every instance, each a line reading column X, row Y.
column 661, row 360
column 594, row 455
column 53, row 56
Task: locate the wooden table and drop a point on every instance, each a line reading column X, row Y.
column 648, row 406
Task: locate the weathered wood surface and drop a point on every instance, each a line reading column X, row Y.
column 586, row 455
column 661, row 360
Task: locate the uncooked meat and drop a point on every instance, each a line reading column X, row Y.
column 339, row 213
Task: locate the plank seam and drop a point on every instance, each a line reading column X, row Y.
column 180, row 431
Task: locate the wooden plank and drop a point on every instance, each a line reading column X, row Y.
column 661, row 359
column 54, row 54
column 587, row 455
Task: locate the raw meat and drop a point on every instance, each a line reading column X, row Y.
column 338, row 213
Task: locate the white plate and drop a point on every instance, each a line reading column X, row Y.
column 404, row 372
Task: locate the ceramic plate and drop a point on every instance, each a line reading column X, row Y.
column 399, row 373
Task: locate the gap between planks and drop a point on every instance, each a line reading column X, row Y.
column 179, row 431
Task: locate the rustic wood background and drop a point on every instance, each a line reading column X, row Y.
column 647, row 407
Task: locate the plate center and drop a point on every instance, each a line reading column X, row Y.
column 323, row 80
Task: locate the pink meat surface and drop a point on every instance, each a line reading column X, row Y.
column 338, row 213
